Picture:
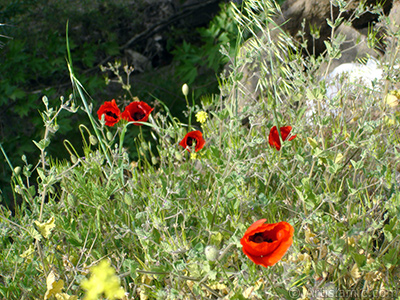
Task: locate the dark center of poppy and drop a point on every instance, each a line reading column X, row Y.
column 190, row 141
column 111, row 114
column 137, row 116
column 259, row 238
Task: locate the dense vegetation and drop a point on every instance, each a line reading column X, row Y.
column 32, row 63
column 133, row 214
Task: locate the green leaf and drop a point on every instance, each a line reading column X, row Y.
column 41, row 174
column 390, row 258
column 216, row 238
column 357, row 165
column 359, row 259
column 131, row 266
column 313, row 143
column 34, row 233
column 17, row 94
column 42, row 144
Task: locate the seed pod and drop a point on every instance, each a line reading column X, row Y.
column 211, row 253
column 74, row 159
column 93, row 140
column 17, row 171
column 109, row 135
column 45, row 101
column 185, row 90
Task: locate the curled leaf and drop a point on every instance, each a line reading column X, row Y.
column 53, row 286
column 46, row 228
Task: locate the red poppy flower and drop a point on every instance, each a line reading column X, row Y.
column 111, row 112
column 137, row 111
column 273, row 138
column 193, row 137
column 266, row 244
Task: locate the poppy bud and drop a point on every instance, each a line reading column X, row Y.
column 211, row 253
column 45, row 101
column 109, row 136
column 17, row 171
column 74, row 159
column 93, row 140
column 153, row 160
column 185, row 90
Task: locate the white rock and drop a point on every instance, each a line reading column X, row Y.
column 349, row 74
column 344, row 79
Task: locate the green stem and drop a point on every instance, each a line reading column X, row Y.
column 190, row 113
column 78, row 86
column 272, row 284
column 6, row 157
column 17, row 177
column 121, row 138
column 121, row 143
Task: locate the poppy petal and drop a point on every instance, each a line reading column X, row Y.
column 273, row 138
column 193, row 135
column 111, row 112
column 278, row 237
column 285, row 131
column 138, row 111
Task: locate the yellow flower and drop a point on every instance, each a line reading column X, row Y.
column 64, row 296
column 46, row 228
column 392, row 99
column 352, row 241
column 193, row 155
column 103, row 280
column 201, row 117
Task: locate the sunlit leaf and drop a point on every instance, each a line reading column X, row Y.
column 53, row 286
column 46, row 228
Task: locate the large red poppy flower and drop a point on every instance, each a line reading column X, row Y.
column 266, row 244
column 137, row 111
column 111, row 112
column 273, row 138
column 195, row 137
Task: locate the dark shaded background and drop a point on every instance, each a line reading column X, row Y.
column 32, row 63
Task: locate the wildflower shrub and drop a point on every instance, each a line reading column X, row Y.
column 319, row 197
